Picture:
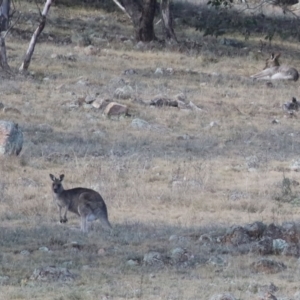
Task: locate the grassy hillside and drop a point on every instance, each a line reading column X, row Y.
column 189, row 173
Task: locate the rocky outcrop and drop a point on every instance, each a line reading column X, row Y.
column 11, row 138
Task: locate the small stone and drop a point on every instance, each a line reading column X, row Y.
column 279, row 245
column 24, row 252
column 115, row 109
column 140, row 124
column 132, row 262
column 101, row 103
column 159, row 71
column 89, row 99
column 44, row 249
column 173, row 238
column 153, row 258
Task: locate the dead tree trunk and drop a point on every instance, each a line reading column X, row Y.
column 167, row 20
column 142, row 15
column 4, row 22
column 35, row 36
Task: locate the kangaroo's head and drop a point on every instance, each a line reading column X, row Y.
column 57, row 186
column 273, row 61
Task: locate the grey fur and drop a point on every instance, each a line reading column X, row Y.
column 86, row 203
column 273, row 70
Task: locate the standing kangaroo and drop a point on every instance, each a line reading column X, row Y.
column 273, row 70
column 86, row 203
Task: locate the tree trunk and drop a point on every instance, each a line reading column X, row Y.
column 146, row 28
column 4, row 22
column 35, row 36
column 142, row 16
column 167, row 20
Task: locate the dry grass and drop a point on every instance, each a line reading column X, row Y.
column 155, row 183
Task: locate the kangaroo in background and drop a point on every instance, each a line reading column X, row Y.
column 86, row 203
column 273, row 70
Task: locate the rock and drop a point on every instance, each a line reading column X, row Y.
column 44, row 249
column 293, row 105
column 153, row 258
column 83, row 82
column 24, row 252
column 52, row 273
column 295, row 166
column 275, row 121
column 140, row 45
column 124, row 92
column 181, row 97
column 170, row 71
column 132, row 262
column 218, row 261
column 236, row 235
column 130, row 72
column 179, row 255
column 224, row 296
column 11, row 138
column 267, row 266
column 115, row 109
column 291, row 232
column 173, row 238
column 264, row 246
column 279, row 245
column 255, row 229
column 274, row 232
column 206, row 238
column 193, row 107
column 101, row 103
column 162, row 101
column 140, row 124
column 89, row 99
column 252, row 161
column 291, row 250
column 159, row 71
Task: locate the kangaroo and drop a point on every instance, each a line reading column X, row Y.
column 273, row 70
column 86, row 203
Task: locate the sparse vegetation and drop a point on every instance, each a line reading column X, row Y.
column 173, row 185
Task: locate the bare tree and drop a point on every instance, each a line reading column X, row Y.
column 142, row 13
column 167, row 20
column 4, row 23
column 35, row 36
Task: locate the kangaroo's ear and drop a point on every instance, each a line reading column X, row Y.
column 52, row 177
column 61, row 177
column 272, row 56
column 277, row 55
